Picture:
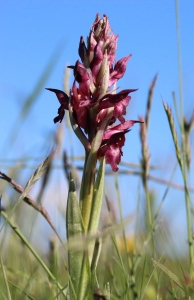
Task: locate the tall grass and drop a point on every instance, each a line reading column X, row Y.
column 131, row 266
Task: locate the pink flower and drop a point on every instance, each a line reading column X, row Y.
column 82, row 77
column 101, row 32
column 119, row 70
column 96, row 62
column 119, row 101
column 112, row 142
column 91, row 95
column 80, row 113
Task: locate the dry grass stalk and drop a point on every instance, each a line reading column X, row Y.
column 173, row 132
column 45, row 180
column 150, row 98
column 188, row 127
column 30, row 201
column 145, row 161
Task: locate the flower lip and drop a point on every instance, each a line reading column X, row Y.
column 112, row 143
column 111, row 149
column 63, row 100
column 60, row 117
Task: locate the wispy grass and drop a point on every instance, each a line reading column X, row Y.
column 145, row 265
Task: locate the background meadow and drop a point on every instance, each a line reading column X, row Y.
column 38, row 40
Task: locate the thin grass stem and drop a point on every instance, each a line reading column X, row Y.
column 32, row 250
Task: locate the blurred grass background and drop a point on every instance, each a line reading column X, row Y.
column 126, row 262
column 146, row 258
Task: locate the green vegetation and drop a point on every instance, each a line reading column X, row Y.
column 141, row 266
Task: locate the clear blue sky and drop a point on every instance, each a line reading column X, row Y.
column 31, row 30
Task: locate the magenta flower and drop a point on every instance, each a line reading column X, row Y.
column 97, row 115
column 92, row 98
column 80, row 113
column 82, row 77
column 112, row 142
column 64, row 101
column 119, row 70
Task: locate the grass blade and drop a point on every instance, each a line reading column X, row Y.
column 30, row 202
column 188, row 290
column 96, row 205
column 5, row 279
column 40, row 171
column 32, row 250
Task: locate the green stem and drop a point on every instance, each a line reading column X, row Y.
column 88, row 178
column 82, row 182
column 87, row 187
column 149, row 206
column 189, row 226
column 183, row 166
column 5, row 279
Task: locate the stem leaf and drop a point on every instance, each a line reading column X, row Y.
column 74, row 227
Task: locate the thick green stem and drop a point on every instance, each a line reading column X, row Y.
column 87, row 187
column 88, row 194
column 88, row 178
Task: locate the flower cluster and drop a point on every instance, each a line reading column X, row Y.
column 93, row 94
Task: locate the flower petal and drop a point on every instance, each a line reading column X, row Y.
column 61, row 112
column 61, row 96
column 83, row 52
column 119, row 70
column 111, row 150
column 64, row 101
column 96, row 62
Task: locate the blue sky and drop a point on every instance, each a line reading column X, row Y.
column 30, row 32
